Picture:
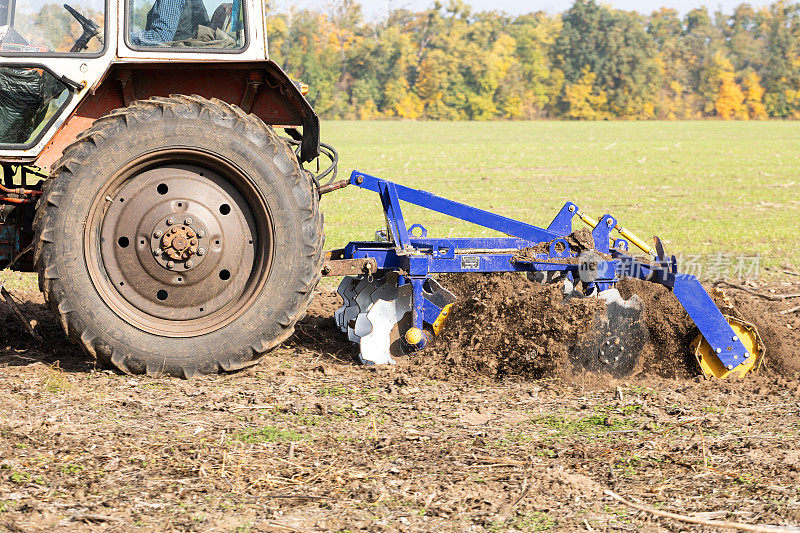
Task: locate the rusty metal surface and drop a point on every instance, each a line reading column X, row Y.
column 276, row 100
column 179, row 248
column 330, row 187
column 347, row 267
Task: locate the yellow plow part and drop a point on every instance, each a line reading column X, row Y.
column 711, row 366
column 625, row 232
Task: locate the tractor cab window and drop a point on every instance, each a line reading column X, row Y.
column 4, row 5
column 42, row 26
column 30, row 99
column 190, row 24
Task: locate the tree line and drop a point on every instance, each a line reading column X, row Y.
column 590, row 62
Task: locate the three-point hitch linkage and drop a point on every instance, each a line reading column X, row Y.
column 393, row 304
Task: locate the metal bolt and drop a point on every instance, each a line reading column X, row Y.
column 201, row 234
column 621, row 348
column 730, row 367
column 188, row 221
column 193, row 242
column 201, row 251
column 158, row 234
column 735, row 338
column 170, row 264
column 572, row 209
column 189, row 264
column 735, row 357
column 718, row 350
column 170, row 221
column 157, row 251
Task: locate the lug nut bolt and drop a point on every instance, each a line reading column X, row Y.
column 170, row 264
column 158, row 234
column 193, row 242
column 201, row 234
column 201, row 251
column 157, row 251
column 189, row 264
column 188, row 221
column 170, row 221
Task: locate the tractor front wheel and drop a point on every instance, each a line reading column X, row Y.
column 179, row 236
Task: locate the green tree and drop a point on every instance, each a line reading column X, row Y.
column 613, row 45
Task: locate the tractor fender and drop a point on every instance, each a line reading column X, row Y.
column 261, row 88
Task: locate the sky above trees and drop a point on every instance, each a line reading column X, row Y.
column 379, row 8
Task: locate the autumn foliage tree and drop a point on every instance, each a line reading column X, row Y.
column 591, row 62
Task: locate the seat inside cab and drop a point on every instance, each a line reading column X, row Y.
column 186, row 24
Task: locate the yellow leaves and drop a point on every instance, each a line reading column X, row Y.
column 502, row 56
column 585, row 101
column 333, row 36
column 432, row 78
column 401, row 102
column 753, row 95
column 368, row 110
column 735, row 99
column 730, row 99
column 409, row 107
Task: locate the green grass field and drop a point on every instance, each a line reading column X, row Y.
column 704, row 187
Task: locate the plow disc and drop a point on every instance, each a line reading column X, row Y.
column 616, row 337
column 709, row 363
column 377, row 314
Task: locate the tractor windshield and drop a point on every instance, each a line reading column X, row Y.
column 4, row 5
column 191, row 24
column 43, row 26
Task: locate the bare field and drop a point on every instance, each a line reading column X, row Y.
column 310, row 441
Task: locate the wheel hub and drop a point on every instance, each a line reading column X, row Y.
column 178, row 242
column 611, row 350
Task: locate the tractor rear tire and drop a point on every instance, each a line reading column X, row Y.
column 178, row 236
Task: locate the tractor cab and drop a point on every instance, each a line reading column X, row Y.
column 63, row 65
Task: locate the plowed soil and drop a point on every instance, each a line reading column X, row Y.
column 482, row 432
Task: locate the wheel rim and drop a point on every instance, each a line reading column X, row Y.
column 179, row 243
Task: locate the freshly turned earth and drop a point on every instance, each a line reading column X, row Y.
column 485, row 430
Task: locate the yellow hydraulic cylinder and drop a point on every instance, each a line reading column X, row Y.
column 625, row 232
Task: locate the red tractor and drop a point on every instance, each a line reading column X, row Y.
column 175, row 232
